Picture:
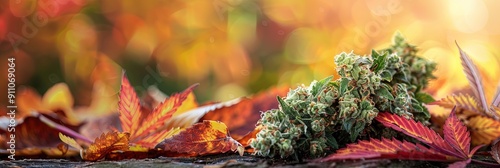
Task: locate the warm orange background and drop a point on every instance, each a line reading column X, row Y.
column 234, row 47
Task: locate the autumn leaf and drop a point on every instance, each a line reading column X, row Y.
column 129, row 107
column 454, row 147
column 463, row 101
column 58, row 98
column 105, row 144
column 70, row 141
column 389, row 149
column 416, row 130
column 148, row 128
column 483, row 129
column 478, row 116
column 242, row 117
column 208, row 137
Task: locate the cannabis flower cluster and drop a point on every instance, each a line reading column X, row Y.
column 315, row 119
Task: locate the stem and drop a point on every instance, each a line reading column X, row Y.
column 486, row 163
column 63, row 128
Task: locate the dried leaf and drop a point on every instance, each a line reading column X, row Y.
column 63, row 148
column 474, row 78
column 129, row 107
column 483, row 129
column 462, row 101
column 70, row 141
column 33, row 133
column 208, row 137
column 105, row 144
column 242, row 117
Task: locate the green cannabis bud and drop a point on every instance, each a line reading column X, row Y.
column 313, row 120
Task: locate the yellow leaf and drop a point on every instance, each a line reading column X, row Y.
column 70, row 141
column 483, row 130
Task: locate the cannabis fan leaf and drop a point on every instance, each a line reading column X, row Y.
column 476, row 105
column 455, row 146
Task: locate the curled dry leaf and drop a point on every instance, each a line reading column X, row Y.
column 208, row 137
column 106, row 144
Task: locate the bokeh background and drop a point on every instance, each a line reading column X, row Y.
column 233, row 48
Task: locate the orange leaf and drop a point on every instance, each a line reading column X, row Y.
column 245, row 140
column 157, row 118
column 242, row 117
column 416, row 130
column 129, row 107
column 483, row 129
column 151, row 141
column 188, row 104
column 105, row 144
column 387, row 149
column 208, row 137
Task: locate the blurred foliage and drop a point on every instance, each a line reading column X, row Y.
column 232, row 47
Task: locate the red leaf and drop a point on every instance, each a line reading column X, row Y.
column 456, row 134
column 388, row 149
column 416, row 130
column 129, row 107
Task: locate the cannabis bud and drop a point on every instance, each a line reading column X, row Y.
column 315, row 119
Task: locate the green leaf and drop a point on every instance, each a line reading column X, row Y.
column 358, row 127
column 384, row 92
column 348, row 125
column 386, row 75
column 320, row 85
column 343, row 85
column 331, row 141
column 379, row 61
column 424, row 97
column 287, row 108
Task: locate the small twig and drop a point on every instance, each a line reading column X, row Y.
column 63, row 129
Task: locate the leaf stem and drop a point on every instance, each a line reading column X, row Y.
column 63, row 128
